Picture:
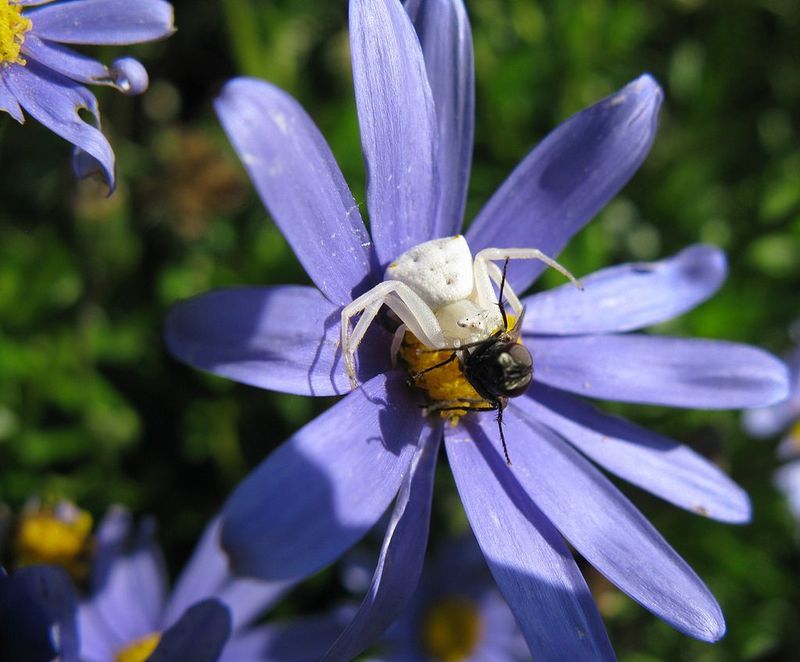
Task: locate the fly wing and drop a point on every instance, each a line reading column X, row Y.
column 516, row 330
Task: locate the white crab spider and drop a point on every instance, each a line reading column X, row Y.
column 444, row 298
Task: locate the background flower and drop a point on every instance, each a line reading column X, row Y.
column 47, row 77
column 129, row 605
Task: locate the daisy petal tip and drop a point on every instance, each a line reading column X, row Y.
column 130, row 76
column 84, row 165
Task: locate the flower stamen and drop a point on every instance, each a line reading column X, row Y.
column 55, row 536
column 139, row 649
column 13, row 26
column 452, row 629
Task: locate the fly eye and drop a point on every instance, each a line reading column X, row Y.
column 520, row 356
column 517, row 370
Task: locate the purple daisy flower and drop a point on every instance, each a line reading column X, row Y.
column 41, row 74
column 129, row 614
column 323, row 489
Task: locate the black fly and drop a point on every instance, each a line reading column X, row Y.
column 498, row 368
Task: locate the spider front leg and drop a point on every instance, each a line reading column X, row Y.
column 485, row 272
column 404, row 302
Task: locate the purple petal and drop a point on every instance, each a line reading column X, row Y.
column 769, row 421
column 67, row 62
column 8, row 103
column 530, row 562
column 656, row 464
column 629, row 296
column 54, row 100
column 403, row 551
column 300, row 183
column 678, row 372
column 398, row 126
column 607, row 529
column 284, row 338
column 98, row 641
column 207, row 575
column 131, row 595
column 324, row 488
column 569, row 177
column 129, row 75
column 103, row 21
column 297, row 640
column 38, row 606
column 111, row 540
column 444, row 33
column 199, row 635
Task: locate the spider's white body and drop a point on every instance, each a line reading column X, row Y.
column 443, row 296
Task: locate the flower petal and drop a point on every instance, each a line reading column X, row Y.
column 325, row 487
column 297, row 640
column 530, row 562
column 103, row 21
column 446, row 38
column 200, row 635
column 398, row 126
column 569, row 177
column 628, row 296
column 9, row 103
column 124, row 75
column 300, row 183
column 678, row 372
column 284, row 338
column 206, row 575
column 38, row 605
column 607, row 529
column 54, row 100
column 403, row 551
column 130, row 597
column 769, row 421
column 656, row 464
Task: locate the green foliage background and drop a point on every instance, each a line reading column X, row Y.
column 92, row 408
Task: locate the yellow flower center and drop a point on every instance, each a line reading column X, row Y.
column 445, row 384
column 13, row 26
column 452, row 629
column 45, row 538
column 794, row 437
column 139, row 649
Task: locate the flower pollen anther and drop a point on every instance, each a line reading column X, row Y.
column 55, row 536
column 13, row 26
column 140, row 649
column 452, row 629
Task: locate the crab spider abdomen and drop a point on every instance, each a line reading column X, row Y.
column 439, row 271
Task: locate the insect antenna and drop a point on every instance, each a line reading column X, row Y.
column 500, row 303
column 502, row 435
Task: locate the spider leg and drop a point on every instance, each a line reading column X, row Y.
column 405, row 303
column 397, row 342
column 497, row 275
column 482, row 282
